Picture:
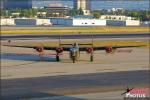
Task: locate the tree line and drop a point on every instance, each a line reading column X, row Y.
column 33, row 12
column 141, row 15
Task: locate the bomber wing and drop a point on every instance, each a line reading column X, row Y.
column 67, row 48
column 104, row 47
column 44, row 47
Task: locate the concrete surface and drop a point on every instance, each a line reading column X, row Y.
column 21, row 66
column 50, row 86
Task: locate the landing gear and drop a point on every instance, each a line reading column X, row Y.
column 73, row 56
column 57, row 58
column 73, row 59
column 91, row 58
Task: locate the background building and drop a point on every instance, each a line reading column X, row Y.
column 68, row 22
column 84, row 5
column 77, row 22
column 57, row 10
column 1, row 4
column 117, row 17
column 9, row 4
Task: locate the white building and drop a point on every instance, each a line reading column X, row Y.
column 117, row 9
column 132, row 23
column 41, row 14
column 25, row 21
column 88, row 22
column 7, row 21
column 78, row 22
column 116, row 17
column 69, row 22
column 15, row 14
column 116, row 20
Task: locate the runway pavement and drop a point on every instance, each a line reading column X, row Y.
column 49, row 86
column 77, row 36
column 24, row 77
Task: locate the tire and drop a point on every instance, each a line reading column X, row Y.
column 73, row 59
column 91, row 58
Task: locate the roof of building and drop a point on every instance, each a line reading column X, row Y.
column 83, row 17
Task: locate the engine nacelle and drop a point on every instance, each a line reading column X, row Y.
column 89, row 50
column 59, row 50
column 39, row 49
column 109, row 49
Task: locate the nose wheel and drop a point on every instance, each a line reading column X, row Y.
column 73, row 59
column 91, row 58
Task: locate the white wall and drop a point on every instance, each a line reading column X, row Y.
column 69, row 22
column 132, row 22
column 77, row 22
column 89, row 22
column 7, row 22
column 32, row 21
column 43, row 22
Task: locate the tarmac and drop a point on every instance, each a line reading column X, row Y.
column 77, row 36
column 50, row 86
column 25, row 62
column 106, row 77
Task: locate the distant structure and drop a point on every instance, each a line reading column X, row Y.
column 1, row 4
column 84, row 5
column 57, row 10
column 11, row 4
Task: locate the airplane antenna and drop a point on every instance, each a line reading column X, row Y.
column 59, row 40
column 92, row 41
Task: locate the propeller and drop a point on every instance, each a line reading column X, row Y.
column 40, row 50
column 90, row 51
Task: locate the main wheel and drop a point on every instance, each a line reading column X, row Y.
column 91, row 58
